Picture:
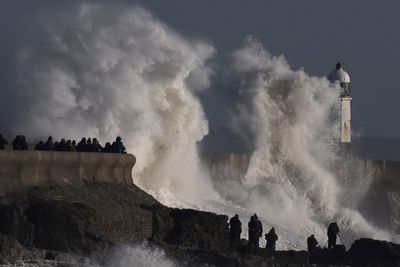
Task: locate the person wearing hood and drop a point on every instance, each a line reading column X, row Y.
column 312, row 243
column 271, row 239
column 333, row 231
column 235, row 229
column 255, row 232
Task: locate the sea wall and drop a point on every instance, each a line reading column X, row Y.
column 21, row 169
column 237, row 164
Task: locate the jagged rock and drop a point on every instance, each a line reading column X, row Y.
column 88, row 219
column 14, row 222
column 365, row 252
column 77, row 219
column 9, row 248
column 329, row 257
column 193, row 257
column 76, row 225
column 198, row 229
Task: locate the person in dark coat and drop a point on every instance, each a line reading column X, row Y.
column 271, row 239
column 81, row 147
column 19, row 143
column 39, row 146
column 3, row 142
column 107, row 148
column 312, row 243
column 69, row 147
column 96, row 147
column 62, row 146
column 235, row 230
column 255, row 232
column 49, row 146
column 118, row 146
column 333, row 231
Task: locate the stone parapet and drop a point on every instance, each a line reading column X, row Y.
column 21, row 169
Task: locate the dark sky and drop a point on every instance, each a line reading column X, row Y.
column 311, row 34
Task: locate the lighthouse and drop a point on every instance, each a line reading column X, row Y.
column 342, row 78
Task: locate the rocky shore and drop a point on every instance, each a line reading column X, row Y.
column 88, row 224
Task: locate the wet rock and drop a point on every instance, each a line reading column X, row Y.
column 76, row 225
column 14, row 223
column 366, row 252
column 9, row 248
column 198, row 229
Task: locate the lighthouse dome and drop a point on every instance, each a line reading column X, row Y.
column 339, row 75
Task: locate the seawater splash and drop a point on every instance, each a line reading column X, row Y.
column 105, row 70
column 139, row 255
column 295, row 180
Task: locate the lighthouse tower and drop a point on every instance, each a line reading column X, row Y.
column 342, row 78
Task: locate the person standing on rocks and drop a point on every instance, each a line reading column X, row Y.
column 235, row 230
column 312, row 243
column 255, row 232
column 271, row 239
column 333, row 231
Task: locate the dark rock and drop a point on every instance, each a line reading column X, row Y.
column 78, row 219
column 365, row 251
column 88, row 219
column 14, row 223
column 198, row 229
column 329, row 256
column 60, row 226
column 76, row 225
column 195, row 257
column 9, row 248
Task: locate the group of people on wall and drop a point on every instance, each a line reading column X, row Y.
column 85, row 145
column 255, row 231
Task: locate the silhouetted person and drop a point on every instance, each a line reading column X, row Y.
column 3, row 142
column 69, row 147
column 333, row 231
column 48, row 146
column 19, row 143
column 255, row 232
column 81, row 147
column 312, row 243
column 39, row 146
column 235, row 230
column 96, row 147
column 271, row 238
column 118, row 146
column 107, row 148
column 62, row 145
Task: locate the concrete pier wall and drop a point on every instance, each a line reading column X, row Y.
column 384, row 170
column 20, row 169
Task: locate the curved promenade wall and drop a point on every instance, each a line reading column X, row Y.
column 20, row 169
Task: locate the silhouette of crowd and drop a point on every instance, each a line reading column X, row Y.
column 85, row 145
column 255, row 229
